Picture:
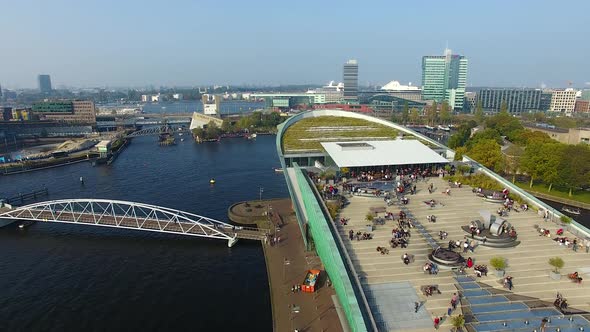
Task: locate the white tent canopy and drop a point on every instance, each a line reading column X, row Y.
column 382, row 153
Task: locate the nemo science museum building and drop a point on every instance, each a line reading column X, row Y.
column 381, row 169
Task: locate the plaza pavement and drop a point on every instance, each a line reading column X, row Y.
column 386, row 279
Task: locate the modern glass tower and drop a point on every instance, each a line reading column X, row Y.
column 44, row 83
column 351, row 81
column 444, row 77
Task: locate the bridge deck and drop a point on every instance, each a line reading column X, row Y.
column 179, row 227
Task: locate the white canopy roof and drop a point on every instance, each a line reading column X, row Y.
column 381, row 153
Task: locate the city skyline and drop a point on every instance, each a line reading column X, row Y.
column 110, row 44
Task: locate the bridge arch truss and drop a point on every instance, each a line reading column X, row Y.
column 130, row 215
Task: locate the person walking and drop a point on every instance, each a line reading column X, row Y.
column 416, row 306
column 587, row 243
column 436, row 322
column 449, row 311
column 454, row 301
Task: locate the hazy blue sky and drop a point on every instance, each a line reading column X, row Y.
column 140, row 43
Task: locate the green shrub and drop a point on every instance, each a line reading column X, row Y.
column 565, row 219
column 557, row 263
column 498, row 263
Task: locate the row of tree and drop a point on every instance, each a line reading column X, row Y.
column 256, row 122
column 527, row 152
column 432, row 115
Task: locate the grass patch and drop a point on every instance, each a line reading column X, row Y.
column 578, row 196
column 307, row 134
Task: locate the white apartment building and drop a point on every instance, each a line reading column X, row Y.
column 563, row 101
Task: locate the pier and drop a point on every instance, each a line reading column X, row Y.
column 22, row 198
column 287, row 262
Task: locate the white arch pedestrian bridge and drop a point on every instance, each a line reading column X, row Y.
column 129, row 215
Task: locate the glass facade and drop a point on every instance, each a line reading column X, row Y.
column 53, row 107
column 518, row 100
column 444, row 77
column 387, row 105
column 350, row 79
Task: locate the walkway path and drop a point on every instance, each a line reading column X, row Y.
column 287, row 263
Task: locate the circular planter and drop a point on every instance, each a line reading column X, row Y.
column 554, row 276
column 500, row 273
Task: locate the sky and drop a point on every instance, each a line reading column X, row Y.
column 120, row 43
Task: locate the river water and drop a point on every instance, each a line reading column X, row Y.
column 57, row 277
column 226, row 107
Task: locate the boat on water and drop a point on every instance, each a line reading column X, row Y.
column 212, row 181
column 571, row 210
column 429, row 127
column 444, row 128
column 182, row 139
column 278, row 170
column 251, row 136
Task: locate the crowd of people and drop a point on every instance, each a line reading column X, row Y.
column 359, row 235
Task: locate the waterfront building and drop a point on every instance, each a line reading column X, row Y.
column 288, row 101
column 563, row 101
column 328, row 94
column 1, row 96
column 585, row 94
column 563, row 135
column 350, row 78
column 211, row 104
column 44, row 83
column 146, row 98
column 582, row 106
column 518, row 100
column 385, row 105
column 21, row 114
column 200, row 120
column 376, row 288
column 444, row 77
column 71, row 111
column 409, row 92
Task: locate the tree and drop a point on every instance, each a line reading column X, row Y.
column 414, row 116
column 557, row 263
column 504, row 108
column 488, row 153
column 226, row 126
column 532, row 160
column 498, row 262
column 479, row 115
column 445, row 112
column 405, row 113
column 458, row 322
column 512, row 156
column 552, row 154
column 431, row 114
column 574, row 167
column 460, row 152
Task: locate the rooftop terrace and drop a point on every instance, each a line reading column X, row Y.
column 306, row 134
column 392, row 287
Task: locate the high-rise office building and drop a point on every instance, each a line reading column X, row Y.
column 518, row 101
column 351, row 81
column 444, row 77
column 44, row 83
